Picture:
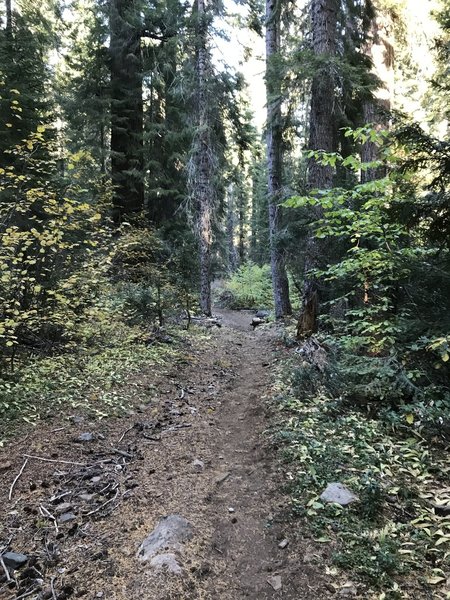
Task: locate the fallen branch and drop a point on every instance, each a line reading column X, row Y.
column 52, row 585
column 48, row 514
column 99, row 508
column 57, row 460
column 124, row 434
column 11, row 489
column 28, row 593
column 2, row 563
column 122, row 453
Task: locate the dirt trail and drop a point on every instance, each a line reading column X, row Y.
column 212, row 466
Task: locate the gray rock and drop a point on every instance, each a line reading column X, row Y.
column 170, row 534
column 14, row 560
column 262, row 314
column 339, row 494
column 85, row 437
column 283, row 544
column 198, row 465
column 77, row 419
column 275, row 582
column 168, row 562
column 66, row 517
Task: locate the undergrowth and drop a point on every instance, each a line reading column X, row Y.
column 94, row 375
column 395, row 541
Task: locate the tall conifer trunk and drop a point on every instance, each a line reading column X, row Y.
column 9, row 17
column 126, row 108
column 322, row 136
column 202, row 184
column 380, row 49
column 274, row 158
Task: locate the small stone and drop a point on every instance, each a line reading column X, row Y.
column 86, row 497
column 66, row 517
column 338, row 494
column 99, row 595
column 63, row 508
column 85, row 437
column 198, row 465
column 231, row 509
column 96, row 479
column 5, row 466
column 283, row 544
column 14, row 560
column 77, row 420
column 275, row 582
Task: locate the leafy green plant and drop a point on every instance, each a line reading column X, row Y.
column 249, row 287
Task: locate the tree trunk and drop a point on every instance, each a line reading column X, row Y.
column 8, row 16
column 203, row 186
column 274, row 159
column 232, row 258
column 126, row 109
column 322, row 137
column 376, row 110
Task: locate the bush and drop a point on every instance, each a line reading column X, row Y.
column 249, row 287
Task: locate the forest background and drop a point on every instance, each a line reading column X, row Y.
column 134, row 172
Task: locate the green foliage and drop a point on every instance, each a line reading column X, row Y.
column 249, row 287
column 48, row 255
column 155, row 278
column 393, row 530
column 90, row 379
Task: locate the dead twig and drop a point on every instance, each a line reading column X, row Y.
column 48, row 514
column 57, row 460
column 28, row 593
column 52, row 586
column 11, row 489
column 99, row 508
column 2, row 563
column 122, row 453
column 125, row 433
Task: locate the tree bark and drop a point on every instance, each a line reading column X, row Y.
column 376, row 109
column 232, row 256
column 203, row 186
column 8, row 16
column 322, row 137
column 127, row 116
column 274, row 159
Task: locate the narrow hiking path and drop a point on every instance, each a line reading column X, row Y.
column 209, row 463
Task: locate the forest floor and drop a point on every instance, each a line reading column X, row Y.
column 195, row 447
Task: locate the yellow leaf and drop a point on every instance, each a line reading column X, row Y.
column 9, row 125
column 445, row 357
column 435, row 580
column 41, row 128
column 410, row 418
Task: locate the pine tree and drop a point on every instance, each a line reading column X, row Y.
column 274, row 158
column 322, row 136
column 202, row 162
column 127, row 111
